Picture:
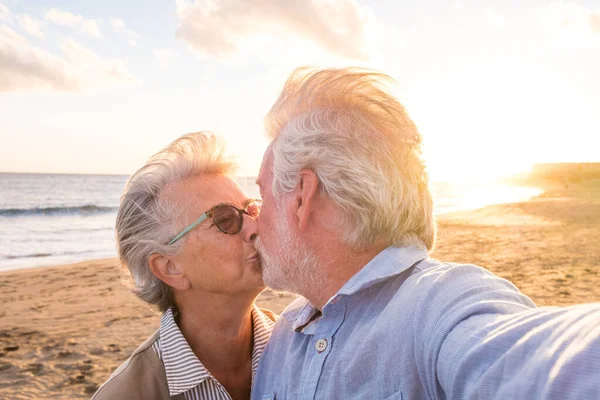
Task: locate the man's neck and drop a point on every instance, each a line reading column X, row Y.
column 337, row 265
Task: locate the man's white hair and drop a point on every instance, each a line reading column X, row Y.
column 346, row 126
column 146, row 222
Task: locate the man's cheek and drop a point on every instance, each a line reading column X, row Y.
column 262, row 225
column 264, row 219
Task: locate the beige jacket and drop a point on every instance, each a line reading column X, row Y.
column 141, row 377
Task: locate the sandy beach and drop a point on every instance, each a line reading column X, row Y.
column 64, row 329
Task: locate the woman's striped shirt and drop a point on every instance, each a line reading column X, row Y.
column 185, row 372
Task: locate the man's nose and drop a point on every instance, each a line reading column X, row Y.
column 249, row 229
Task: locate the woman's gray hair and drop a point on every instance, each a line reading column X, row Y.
column 146, row 222
column 347, row 126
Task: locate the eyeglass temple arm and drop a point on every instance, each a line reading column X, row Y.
column 189, row 228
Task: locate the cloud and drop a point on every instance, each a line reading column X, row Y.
column 31, row 25
column 165, row 57
column 88, row 26
column 493, row 19
column 25, row 67
column 571, row 25
column 119, row 26
column 5, row 13
column 594, row 21
column 224, row 29
column 573, row 17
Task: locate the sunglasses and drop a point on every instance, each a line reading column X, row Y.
column 228, row 218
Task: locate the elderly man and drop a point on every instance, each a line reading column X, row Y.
column 347, row 222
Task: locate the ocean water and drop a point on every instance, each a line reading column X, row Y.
column 49, row 219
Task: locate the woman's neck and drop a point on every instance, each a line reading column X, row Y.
column 219, row 331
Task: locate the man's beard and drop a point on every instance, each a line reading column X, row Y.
column 291, row 266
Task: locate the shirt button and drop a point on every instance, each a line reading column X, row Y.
column 321, row 345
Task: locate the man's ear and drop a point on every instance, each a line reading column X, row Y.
column 306, row 197
column 169, row 272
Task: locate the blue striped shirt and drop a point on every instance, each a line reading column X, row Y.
column 410, row 327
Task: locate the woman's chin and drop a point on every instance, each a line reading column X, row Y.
column 254, row 273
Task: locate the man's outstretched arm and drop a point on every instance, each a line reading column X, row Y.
column 482, row 338
column 544, row 353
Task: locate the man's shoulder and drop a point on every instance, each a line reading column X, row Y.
column 432, row 277
column 444, row 291
column 441, row 274
column 142, row 373
column 434, row 265
column 433, row 289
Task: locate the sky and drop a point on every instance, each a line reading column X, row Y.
column 98, row 87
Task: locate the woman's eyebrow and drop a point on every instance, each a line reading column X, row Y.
column 219, row 204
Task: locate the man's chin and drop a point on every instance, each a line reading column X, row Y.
column 270, row 270
column 275, row 282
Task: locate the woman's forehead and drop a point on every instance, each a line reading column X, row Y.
column 209, row 190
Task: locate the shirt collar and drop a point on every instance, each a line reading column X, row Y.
column 390, row 262
column 184, row 370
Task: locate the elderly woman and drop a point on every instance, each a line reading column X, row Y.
column 185, row 232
